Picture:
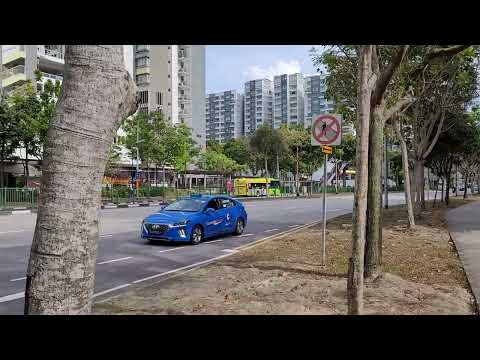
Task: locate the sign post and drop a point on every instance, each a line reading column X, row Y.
column 326, row 130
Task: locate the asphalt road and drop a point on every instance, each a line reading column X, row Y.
column 124, row 260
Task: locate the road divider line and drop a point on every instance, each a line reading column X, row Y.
column 12, row 297
column 180, row 269
column 114, row 260
column 211, row 242
column 110, row 290
column 270, row 230
column 291, row 226
column 106, row 235
column 177, row 248
column 18, row 279
column 231, row 251
column 245, row 235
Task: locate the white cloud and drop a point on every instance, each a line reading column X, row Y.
column 281, row 67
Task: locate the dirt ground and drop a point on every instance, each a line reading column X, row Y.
column 423, row 275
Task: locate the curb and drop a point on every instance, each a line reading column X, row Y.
column 476, row 305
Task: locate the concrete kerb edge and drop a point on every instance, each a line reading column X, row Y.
column 240, row 248
column 476, row 301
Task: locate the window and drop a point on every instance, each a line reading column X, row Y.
column 159, row 98
column 168, row 90
column 143, row 95
column 142, row 62
column 143, row 78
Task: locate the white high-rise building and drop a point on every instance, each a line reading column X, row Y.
column 315, row 100
column 171, row 79
column 224, row 116
column 289, row 101
column 258, row 108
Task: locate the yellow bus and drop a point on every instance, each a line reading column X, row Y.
column 257, row 187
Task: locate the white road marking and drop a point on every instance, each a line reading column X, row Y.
column 245, row 235
column 106, row 235
column 110, row 290
column 211, row 242
column 12, row 231
column 334, row 210
column 114, row 260
column 12, row 297
column 290, row 226
column 290, row 208
column 180, row 269
column 231, row 251
column 173, row 249
column 21, row 212
column 18, row 279
column 270, row 230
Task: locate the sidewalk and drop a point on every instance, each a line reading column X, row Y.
column 464, row 228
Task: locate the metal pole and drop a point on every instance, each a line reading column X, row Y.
column 336, row 175
column 386, row 174
column 138, row 157
column 324, row 208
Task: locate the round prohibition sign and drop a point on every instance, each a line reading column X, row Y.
column 326, row 129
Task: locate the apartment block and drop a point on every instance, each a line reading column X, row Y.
column 21, row 62
column 258, row 104
column 224, row 116
column 288, row 99
column 315, row 100
column 171, row 79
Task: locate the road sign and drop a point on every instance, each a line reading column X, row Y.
column 327, row 130
column 327, row 149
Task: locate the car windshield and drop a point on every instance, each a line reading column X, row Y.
column 188, row 205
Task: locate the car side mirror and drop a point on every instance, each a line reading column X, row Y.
column 209, row 211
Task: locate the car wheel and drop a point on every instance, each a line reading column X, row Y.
column 197, row 235
column 239, row 227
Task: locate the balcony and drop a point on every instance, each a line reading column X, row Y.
column 51, row 60
column 14, row 58
column 142, row 70
column 52, row 77
column 13, row 76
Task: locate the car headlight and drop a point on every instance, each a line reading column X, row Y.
column 181, row 223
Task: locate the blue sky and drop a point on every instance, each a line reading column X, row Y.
column 230, row 66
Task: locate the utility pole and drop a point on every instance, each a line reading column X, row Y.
column 336, row 175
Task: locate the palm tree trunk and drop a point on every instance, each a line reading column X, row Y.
column 61, row 269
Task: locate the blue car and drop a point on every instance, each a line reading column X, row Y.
column 195, row 218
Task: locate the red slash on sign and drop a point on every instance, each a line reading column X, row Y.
column 326, row 130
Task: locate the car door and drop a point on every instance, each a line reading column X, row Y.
column 214, row 221
column 229, row 214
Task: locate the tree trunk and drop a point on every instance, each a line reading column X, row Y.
column 356, row 262
column 296, row 175
column 441, row 193
column 447, row 190
column 373, row 243
column 419, row 183
column 406, row 172
column 97, row 94
column 27, row 173
column 435, row 197
column 465, row 181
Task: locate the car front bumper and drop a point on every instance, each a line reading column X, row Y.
column 180, row 234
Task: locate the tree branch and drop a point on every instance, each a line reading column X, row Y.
column 387, row 74
column 407, row 100
column 437, row 134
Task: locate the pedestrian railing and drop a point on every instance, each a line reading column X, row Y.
column 18, row 198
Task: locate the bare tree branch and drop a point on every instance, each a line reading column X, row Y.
column 437, row 134
column 387, row 74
